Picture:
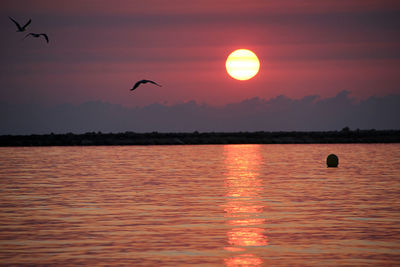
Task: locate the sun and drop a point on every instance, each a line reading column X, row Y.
column 242, row 64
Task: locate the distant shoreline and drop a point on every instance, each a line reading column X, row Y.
column 131, row 138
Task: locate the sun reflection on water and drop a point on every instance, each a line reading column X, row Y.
column 244, row 204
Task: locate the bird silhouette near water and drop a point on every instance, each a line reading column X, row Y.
column 143, row 81
column 37, row 35
column 23, row 28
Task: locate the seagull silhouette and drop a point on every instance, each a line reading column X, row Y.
column 143, row 81
column 37, row 35
column 21, row 29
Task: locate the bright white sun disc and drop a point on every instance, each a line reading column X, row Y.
column 242, row 64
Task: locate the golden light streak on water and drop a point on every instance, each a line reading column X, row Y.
column 244, row 206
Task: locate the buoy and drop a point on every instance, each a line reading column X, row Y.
column 332, row 160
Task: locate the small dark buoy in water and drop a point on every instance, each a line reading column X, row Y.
column 332, row 160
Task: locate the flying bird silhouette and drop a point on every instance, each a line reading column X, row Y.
column 143, row 81
column 37, row 35
column 23, row 28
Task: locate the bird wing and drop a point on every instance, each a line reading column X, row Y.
column 29, row 22
column 27, row 35
column 45, row 36
column 143, row 81
column 153, row 83
column 16, row 23
column 137, row 85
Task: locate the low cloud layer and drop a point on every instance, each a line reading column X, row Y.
column 281, row 113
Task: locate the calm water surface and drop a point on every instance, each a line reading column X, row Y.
column 222, row 205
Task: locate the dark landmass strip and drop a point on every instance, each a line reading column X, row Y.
column 196, row 138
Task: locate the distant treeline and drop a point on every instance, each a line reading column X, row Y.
column 154, row 138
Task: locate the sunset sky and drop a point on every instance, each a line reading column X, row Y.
column 99, row 49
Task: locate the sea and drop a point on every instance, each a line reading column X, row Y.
column 200, row 205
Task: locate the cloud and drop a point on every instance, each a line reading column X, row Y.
column 310, row 113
